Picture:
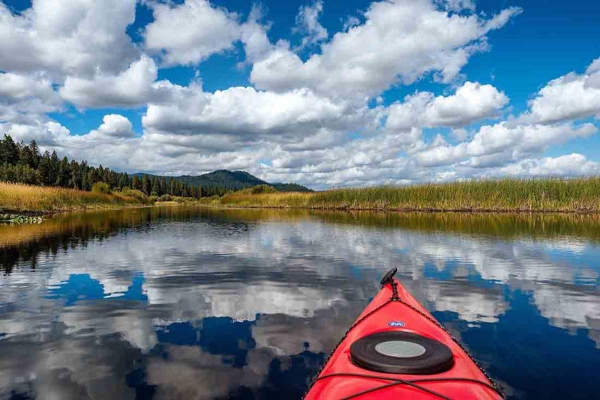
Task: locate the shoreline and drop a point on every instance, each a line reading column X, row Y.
column 34, row 213
column 537, row 196
column 408, row 210
column 391, row 210
column 37, row 213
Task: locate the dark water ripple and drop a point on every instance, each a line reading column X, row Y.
column 185, row 303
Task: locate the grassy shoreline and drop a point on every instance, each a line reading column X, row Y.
column 35, row 200
column 581, row 195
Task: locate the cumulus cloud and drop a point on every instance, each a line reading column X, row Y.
column 191, row 32
column 130, row 88
column 399, row 42
column 367, row 161
column 471, row 102
column 307, row 23
column 243, row 111
column 26, row 94
column 457, row 5
column 18, row 87
column 568, row 97
column 567, row 165
column 114, row 126
column 323, row 119
column 45, row 133
column 67, row 37
column 254, row 36
column 502, row 143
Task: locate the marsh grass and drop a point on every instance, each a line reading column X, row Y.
column 501, row 195
column 25, row 198
column 269, row 200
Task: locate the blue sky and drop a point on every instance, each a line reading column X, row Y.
column 325, row 93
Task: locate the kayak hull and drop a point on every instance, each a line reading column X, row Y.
column 342, row 377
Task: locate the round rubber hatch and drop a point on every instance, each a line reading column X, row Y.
column 398, row 352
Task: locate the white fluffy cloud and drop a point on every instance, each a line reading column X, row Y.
column 130, row 88
column 569, row 97
column 471, row 102
column 254, row 36
column 567, row 165
column 457, row 5
column 323, row 120
column 19, row 87
column 23, row 96
column 399, row 42
column 191, row 32
column 114, row 126
column 67, row 37
column 307, row 23
column 500, row 143
column 45, row 133
column 243, row 111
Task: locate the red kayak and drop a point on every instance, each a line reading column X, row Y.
column 397, row 350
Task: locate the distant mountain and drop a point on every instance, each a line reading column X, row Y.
column 223, row 181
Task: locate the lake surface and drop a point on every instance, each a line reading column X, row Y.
column 188, row 303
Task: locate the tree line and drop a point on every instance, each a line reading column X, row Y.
column 23, row 163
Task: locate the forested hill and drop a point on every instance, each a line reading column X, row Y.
column 222, row 181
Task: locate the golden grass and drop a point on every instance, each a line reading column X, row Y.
column 25, row 198
column 274, row 200
column 501, row 195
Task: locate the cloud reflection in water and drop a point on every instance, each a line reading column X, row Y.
column 206, row 304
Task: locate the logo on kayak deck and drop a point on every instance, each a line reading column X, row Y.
column 396, row 324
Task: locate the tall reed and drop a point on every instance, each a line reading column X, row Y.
column 25, row 198
column 576, row 195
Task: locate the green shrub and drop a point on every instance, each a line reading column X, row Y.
column 136, row 194
column 101, row 187
column 261, row 189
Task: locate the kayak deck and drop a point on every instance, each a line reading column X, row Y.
column 395, row 312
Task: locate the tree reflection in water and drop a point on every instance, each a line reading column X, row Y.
column 186, row 302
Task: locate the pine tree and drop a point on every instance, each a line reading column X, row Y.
column 9, row 151
column 155, row 187
column 45, row 170
column 92, row 177
column 84, row 178
column 63, row 173
column 26, row 156
column 35, row 154
column 26, row 174
column 146, row 185
column 20, row 163
column 123, row 181
column 135, row 183
column 75, row 175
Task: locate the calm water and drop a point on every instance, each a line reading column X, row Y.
column 183, row 303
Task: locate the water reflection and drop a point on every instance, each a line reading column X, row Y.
column 196, row 303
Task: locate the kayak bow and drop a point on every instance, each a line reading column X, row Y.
column 398, row 350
